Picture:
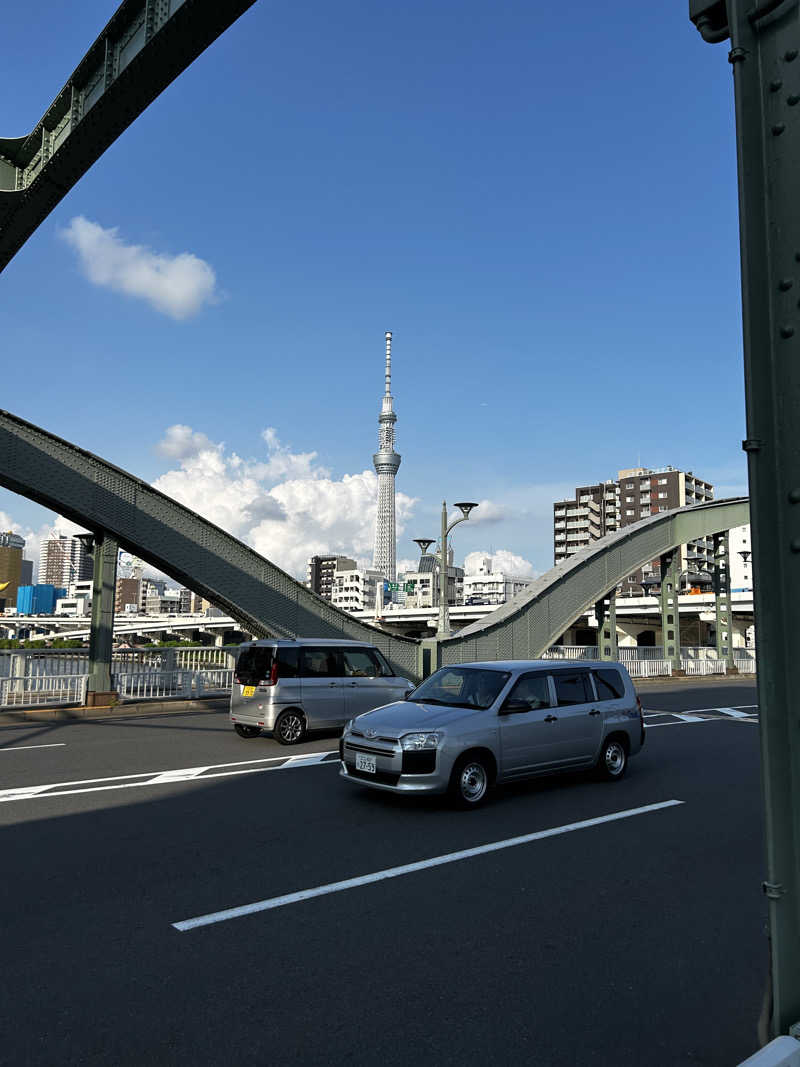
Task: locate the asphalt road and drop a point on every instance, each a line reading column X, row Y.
column 633, row 941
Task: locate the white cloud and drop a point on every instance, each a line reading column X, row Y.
column 286, row 506
column 487, row 511
column 177, row 285
column 502, row 560
column 180, row 442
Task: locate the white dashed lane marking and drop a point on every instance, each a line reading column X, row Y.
column 410, row 868
column 180, row 774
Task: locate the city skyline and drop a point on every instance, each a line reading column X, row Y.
column 534, row 282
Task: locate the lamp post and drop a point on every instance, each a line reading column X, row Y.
column 424, row 543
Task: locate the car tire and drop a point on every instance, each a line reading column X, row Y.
column 290, row 728
column 470, row 781
column 613, row 761
column 248, row 732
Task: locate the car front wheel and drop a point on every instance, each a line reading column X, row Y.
column 470, row 781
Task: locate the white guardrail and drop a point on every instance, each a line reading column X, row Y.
column 41, row 691
column 649, row 668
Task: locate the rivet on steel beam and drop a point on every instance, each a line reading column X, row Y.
column 775, row 86
column 785, row 284
column 787, row 332
column 752, row 444
column 736, row 55
column 793, row 99
column 778, row 129
column 790, row 55
column 794, row 496
column 794, row 544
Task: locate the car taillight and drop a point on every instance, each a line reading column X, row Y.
column 273, row 673
column 639, row 706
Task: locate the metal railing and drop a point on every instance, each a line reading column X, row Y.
column 571, row 652
column 54, row 689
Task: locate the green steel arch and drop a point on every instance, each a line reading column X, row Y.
column 266, row 600
column 145, row 46
column 526, row 626
column 105, row 499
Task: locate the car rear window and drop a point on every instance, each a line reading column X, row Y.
column 572, row 688
column 253, row 664
column 610, row 685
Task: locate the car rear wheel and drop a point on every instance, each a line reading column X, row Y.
column 246, row 731
column 613, row 760
column 290, row 728
column 470, row 781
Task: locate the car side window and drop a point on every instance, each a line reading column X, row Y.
column 319, row 663
column 385, row 669
column 572, row 688
column 288, row 661
column 609, row 683
column 358, row 663
column 533, row 689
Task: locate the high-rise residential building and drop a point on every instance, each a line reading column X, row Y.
column 128, row 596
column 636, row 493
column 63, row 560
column 26, row 572
column 11, row 546
column 386, row 462
column 320, row 571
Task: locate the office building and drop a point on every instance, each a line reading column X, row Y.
column 11, row 546
column 38, row 599
column 492, row 587
column 422, row 585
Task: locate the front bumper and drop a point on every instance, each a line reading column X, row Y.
column 395, row 771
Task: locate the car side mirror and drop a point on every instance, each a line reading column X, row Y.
column 512, row 705
column 407, row 694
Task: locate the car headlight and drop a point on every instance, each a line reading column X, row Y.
column 415, row 742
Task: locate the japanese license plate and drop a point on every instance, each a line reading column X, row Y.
column 248, row 690
column 365, row 763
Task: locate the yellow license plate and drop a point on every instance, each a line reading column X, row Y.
column 249, row 691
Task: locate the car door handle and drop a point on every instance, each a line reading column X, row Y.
column 594, row 711
column 551, row 718
column 353, row 683
column 332, row 684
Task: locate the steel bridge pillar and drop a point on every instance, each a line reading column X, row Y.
column 100, row 691
column 765, row 62
column 670, row 609
column 605, row 611
column 722, row 598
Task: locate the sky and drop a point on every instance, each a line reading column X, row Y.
column 542, row 209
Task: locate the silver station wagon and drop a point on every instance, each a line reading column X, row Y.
column 289, row 687
column 470, row 726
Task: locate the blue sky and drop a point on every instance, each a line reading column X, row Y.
column 540, row 206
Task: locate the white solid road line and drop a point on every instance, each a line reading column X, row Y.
column 23, row 748
column 411, row 868
column 148, row 778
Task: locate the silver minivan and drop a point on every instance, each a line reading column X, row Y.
column 290, row 687
column 469, row 726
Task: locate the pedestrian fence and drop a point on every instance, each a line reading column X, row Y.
column 165, row 685
column 649, row 668
column 704, row 666
column 21, row 692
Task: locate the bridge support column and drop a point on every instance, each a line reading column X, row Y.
column 670, row 611
column 722, row 598
column 605, row 612
column 101, row 640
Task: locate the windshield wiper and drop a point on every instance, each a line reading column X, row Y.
column 433, row 700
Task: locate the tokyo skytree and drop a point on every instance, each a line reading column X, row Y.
column 386, row 462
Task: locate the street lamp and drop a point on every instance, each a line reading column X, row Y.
column 465, row 507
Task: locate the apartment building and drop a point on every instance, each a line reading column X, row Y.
column 354, row 589
column 635, row 494
column 492, row 587
column 320, row 572
column 63, row 560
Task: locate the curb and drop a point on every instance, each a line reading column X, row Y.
column 782, row 1052
column 133, row 709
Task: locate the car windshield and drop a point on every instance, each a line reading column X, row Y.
column 461, row 687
